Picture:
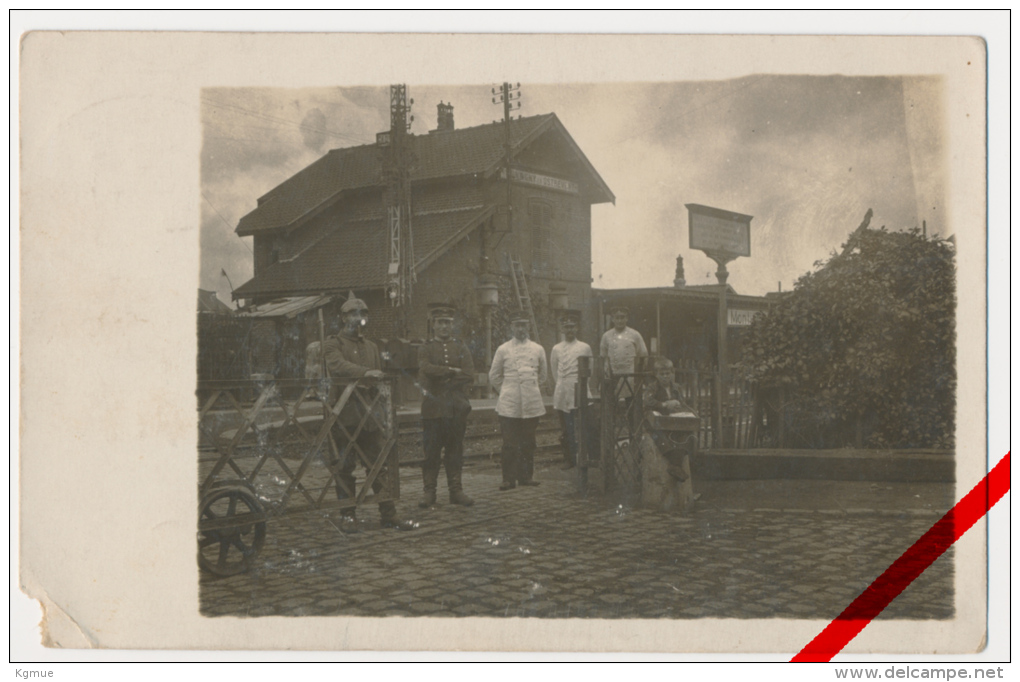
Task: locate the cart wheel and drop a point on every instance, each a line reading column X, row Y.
column 231, row 528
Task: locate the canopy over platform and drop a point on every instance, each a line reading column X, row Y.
column 287, row 307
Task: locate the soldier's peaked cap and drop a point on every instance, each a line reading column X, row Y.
column 618, row 308
column 570, row 315
column 352, row 303
column 520, row 316
column 442, row 310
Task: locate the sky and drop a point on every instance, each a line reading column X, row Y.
column 805, row 155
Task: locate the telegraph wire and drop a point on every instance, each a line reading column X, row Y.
column 225, row 221
column 276, row 119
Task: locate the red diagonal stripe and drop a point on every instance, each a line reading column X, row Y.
column 911, row 564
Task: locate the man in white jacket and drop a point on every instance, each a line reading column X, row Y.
column 563, row 365
column 519, row 370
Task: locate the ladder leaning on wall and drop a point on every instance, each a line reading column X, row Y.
column 523, row 296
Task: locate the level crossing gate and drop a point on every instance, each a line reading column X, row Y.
column 268, row 448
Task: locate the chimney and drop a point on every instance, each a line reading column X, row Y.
column 445, row 117
column 678, row 277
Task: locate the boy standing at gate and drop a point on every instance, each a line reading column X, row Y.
column 447, row 371
column 663, row 397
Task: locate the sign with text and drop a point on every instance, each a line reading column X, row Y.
column 740, row 318
column 539, row 180
column 718, row 232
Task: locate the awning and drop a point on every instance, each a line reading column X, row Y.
column 287, row 307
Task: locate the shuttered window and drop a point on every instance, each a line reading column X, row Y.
column 540, row 218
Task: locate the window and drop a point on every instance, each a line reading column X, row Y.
column 540, row 218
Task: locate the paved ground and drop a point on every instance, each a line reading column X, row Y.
column 751, row 549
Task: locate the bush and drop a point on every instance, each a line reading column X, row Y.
column 866, row 341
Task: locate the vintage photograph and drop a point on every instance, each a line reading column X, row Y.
column 344, row 342
column 672, row 350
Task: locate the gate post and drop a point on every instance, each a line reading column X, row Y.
column 583, row 426
column 607, row 426
column 717, row 410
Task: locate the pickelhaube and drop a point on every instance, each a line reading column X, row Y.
column 353, row 303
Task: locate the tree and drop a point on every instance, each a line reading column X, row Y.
column 864, row 347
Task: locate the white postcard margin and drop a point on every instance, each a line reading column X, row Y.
column 110, row 136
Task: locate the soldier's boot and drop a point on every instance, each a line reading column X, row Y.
column 457, row 494
column 388, row 512
column 430, row 478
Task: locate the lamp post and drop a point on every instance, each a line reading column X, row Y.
column 558, row 297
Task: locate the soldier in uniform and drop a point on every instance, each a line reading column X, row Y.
column 446, row 372
column 519, row 369
column 349, row 355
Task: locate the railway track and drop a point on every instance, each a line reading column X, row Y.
column 482, row 441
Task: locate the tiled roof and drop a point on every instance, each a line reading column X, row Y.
column 464, row 151
column 356, row 255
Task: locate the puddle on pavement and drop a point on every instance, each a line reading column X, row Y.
column 619, row 512
column 522, row 545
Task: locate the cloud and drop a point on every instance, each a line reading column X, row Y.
column 806, row 156
column 313, row 130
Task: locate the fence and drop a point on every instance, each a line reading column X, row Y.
column 731, row 414
column 729, row 409
column 258, row 458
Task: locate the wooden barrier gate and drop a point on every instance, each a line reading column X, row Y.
column 617, row 417
column 267, row 448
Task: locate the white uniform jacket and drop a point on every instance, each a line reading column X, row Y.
column 519, row 370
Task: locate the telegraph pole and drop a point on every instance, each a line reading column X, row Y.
column 401, row 267
column 510, row 97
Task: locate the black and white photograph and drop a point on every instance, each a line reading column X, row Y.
column 669, row 360
column 531, row 294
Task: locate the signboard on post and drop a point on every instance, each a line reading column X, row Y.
column 719, row 232
column 723, row 236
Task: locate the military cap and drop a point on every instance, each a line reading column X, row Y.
column 442, row 310
column 520, row 316
column 353, row 303
column 619, row 308
column 570, row 315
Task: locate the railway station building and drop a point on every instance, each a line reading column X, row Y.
column 325, row 232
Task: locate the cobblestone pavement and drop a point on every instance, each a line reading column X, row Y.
column 546, row 552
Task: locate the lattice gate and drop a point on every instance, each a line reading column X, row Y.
column 268, row 448
column 622, row 425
